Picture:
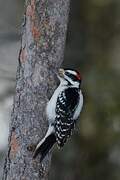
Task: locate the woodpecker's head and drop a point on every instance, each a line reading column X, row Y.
column 69, row 77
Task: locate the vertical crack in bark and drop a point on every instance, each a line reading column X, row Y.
column 23, row 172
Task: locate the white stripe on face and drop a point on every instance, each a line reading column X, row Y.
column 71, row 72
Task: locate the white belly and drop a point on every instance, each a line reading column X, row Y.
column 51, row 106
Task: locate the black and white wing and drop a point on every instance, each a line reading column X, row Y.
column 66, row 106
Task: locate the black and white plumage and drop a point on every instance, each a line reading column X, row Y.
column 62, row 111
column 66, row 105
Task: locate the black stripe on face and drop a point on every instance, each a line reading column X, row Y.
column 71, row 76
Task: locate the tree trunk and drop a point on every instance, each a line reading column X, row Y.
column 41, row 54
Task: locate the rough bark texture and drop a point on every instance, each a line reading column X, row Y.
column 41, row 54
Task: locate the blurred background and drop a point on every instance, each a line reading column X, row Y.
column 93, row 47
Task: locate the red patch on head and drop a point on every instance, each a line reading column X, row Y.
column 78, row 75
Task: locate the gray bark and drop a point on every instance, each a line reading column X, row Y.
column 41, row 54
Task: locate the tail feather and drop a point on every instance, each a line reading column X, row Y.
column 45, row 147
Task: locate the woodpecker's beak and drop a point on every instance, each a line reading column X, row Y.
column 61, row 73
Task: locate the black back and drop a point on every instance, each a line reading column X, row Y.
column 66, row 105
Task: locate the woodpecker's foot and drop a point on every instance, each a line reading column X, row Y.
column 31, row 147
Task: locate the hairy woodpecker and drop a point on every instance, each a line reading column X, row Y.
column 62, row 111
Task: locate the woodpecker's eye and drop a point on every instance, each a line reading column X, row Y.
column 67, row 73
